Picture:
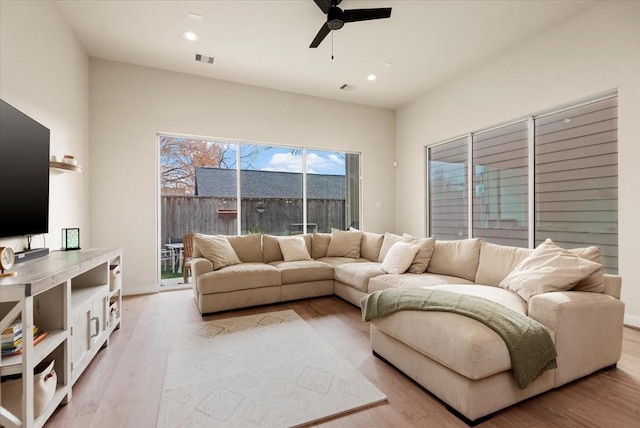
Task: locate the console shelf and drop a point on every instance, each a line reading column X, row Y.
column 70, row 295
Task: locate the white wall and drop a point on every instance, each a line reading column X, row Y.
column 595, row 52
column 131, row 104
column 44, row 73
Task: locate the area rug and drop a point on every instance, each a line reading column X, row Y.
column 265, row 370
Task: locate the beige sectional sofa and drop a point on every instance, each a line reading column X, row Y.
column 461, row 361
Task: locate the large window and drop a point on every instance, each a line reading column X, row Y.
column 282, row 190
column 500, row 169
column 552, row 175
column 448, row 190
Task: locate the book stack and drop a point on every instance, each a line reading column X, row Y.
column 12, row 338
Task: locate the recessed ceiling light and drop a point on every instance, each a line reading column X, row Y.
column 189, row 35
column 567, row 120
column 386, row 64
column 195, row 16
column 372, row 77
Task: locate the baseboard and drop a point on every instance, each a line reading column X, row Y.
column 132, row 291
column 632, row 321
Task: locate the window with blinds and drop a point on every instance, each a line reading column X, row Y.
column 576, row 173
column 500, row 176
column 575, row 188
column 448, row 187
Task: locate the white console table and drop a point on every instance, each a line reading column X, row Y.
column 74, row 296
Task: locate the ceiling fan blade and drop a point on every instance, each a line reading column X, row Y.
column 354, row 15
column 324, row 5
column 320, row 36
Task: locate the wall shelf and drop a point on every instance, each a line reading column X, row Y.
column 64, row 167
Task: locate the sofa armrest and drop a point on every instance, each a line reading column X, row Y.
column 199, row 266
column 588, row 330
column 612, row 285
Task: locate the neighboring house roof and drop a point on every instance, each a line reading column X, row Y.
column 221, row 183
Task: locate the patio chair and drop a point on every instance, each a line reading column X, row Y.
column 187, row 252
column 166, row 257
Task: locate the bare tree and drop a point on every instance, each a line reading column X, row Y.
column 179, row 158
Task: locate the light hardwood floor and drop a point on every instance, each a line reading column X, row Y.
column 123, row 385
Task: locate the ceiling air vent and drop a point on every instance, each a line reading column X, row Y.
column 347, row 87
column 204, row 58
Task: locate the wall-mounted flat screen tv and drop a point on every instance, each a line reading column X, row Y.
column 24, row 174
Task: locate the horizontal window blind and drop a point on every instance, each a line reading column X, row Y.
column 448, row 187
column 500, row 185
column 576, row 173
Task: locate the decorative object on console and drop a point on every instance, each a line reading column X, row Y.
column 7, row 259
column 71, row 239
column 44, row 387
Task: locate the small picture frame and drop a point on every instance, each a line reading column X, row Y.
column 71, row 239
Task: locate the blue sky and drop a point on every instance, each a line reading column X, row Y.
column 290, row 160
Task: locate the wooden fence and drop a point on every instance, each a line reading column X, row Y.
column 188, row 214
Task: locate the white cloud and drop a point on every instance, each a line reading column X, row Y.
column 316, row 164
column 284, row 162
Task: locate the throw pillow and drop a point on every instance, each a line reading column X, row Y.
column 497, row 261
column 248, row 248
column 217, row 249
column 456, row 258
column 344, row 243
column 319, row 245
column 399, row 258
column 421, row 261
column 595, row 281
column 548, row 268
column 271, row 249
column 293, row 248
column 387, row 242
column 370, row 245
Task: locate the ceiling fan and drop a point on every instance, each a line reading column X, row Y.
column 336, row 17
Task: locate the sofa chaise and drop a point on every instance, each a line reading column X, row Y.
column 461, row 361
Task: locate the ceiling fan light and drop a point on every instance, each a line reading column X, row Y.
column 335, row 24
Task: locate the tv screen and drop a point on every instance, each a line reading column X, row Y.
column 24, row 174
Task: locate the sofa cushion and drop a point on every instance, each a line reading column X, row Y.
column 423, row 257
column 410, row 280
column 357, row 275
column 387, row 242
column 217, row 249
column 456, row 258
column 247, row 247
column 319, row 245
column 495, row 294
column 497, row 261
column 338, row 261
column 370, row 245
column 303, row 271
column 344, row 243
column 548, row 268
column 461, row 344
column 293, row 248
column 243, row 276
column 595, row 281
column 399, row 258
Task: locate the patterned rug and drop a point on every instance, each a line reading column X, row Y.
column 265, row 370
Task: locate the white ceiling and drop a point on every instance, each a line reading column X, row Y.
column 266, row 43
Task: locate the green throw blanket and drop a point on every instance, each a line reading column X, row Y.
column 530, row 346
